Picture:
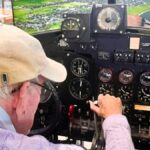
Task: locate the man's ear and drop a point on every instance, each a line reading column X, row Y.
column 24, row 88
column 18, row 98
column 22, row 116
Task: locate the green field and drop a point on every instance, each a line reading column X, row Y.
column 34, row 2
column 24, row 9
column 30, row 14
column 137, row 10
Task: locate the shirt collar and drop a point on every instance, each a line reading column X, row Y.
column 5, row 121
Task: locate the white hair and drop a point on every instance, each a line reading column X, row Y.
column 6, row 91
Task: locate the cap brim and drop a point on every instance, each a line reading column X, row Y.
column 54, row 71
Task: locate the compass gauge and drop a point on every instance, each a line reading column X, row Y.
column 108, row 19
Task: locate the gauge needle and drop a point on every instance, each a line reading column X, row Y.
column 128, row 75
column 102, row 88
column 80, row 83
column 125, row 92
column 109, row 19
column 148, row 95
column 148, row 77
column 80, row 94
column 108, row 74
column 109, row 14
column 70, row 25
column 79, row 70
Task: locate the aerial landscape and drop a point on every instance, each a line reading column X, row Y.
column 42, row 15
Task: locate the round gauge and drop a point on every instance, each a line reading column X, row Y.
column 145, row 78
column 108, row 19
column 125, row 93
column 105, row 88
column 80, row 88
column 79, row 67
column 144, row 94
column 126, row 77
column 70, row 28
column 105, row 75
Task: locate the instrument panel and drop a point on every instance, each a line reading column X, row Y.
column 100, row 59
column 106, row 70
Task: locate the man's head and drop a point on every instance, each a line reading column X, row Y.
column 22, row 59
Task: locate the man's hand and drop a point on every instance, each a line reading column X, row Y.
column 107, row 105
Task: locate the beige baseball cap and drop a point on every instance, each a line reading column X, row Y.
column 23, row 58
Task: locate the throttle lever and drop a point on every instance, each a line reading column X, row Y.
column 98, row 138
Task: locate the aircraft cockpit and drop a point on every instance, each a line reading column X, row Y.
column 105, row 47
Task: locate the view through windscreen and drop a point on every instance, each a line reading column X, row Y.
column 42, row 15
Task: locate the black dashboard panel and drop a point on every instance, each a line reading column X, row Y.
column 106, row 63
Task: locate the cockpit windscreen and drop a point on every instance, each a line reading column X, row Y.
column 36, row 16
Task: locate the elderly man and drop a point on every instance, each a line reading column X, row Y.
column 24, row 68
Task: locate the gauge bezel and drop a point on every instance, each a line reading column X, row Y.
column 101, row 18
column 75, row 60
column 142, row 82
column 121, row 80
column 122, row 9
column 70, row 33
column 77, row 96
column 101, row 71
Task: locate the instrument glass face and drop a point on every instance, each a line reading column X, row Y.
column 105, row 75
column 70, row 28
column 145, row 78
column 79, row 67
column 108, row 19
column 126, row 77
column 80, row 88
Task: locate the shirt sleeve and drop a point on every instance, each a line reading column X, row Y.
column 14, row 141
column 117, row 133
